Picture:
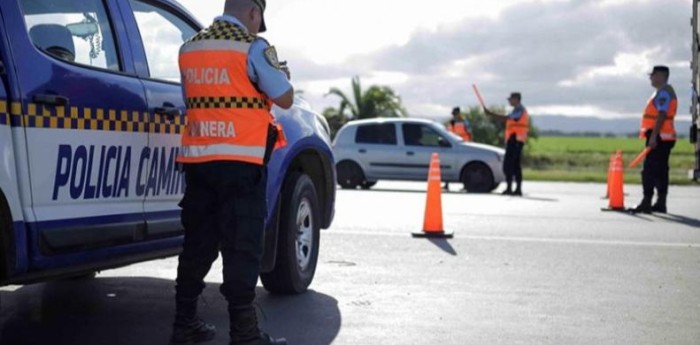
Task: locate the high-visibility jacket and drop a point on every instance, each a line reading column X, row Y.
column 228, row 119
column 651, row 113
column 461, row 129
column 519, row 128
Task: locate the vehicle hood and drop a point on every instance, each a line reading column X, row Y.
column 483, row 147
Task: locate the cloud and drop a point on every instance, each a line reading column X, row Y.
column 586, row 55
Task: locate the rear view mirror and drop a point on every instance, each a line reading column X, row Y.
column 83, row 29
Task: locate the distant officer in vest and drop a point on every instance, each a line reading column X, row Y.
column 517, row 128
column 660, row 135
column 231, row 77
column 461, row 127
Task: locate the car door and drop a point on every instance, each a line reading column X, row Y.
column 83, row 114
column 377, row 147
column 420, row 141
column 157, row 34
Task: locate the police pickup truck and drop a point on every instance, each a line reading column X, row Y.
column 91, row 112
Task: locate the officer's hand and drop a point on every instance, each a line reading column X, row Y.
column 284, row 68
column 652, row 143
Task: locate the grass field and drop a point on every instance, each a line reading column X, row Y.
column 585, row 159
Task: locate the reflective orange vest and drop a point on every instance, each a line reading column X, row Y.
column 651, row 113
column 520, row 128
column 228, row 119
column 460, row 129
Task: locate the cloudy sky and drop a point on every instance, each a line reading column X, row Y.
column 580, row 57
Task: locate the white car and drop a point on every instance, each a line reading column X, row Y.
column 400, row 149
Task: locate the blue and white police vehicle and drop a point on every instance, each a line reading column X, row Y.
column 91, row 112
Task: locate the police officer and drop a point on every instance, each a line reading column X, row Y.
column 660, row 135
column 231, row 77
column 459, row 126
column 517, row 128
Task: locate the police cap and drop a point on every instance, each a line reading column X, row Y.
column 516, row 95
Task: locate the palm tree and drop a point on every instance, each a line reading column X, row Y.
column 377, row 101
column 335, row 120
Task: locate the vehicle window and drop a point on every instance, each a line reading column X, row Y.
column 162, row 34
column 421, row 135
column 73, row 31
column 384, row 134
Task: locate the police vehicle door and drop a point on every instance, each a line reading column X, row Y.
column 83, row 115
column 162, row 31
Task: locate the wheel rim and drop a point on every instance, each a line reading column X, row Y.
column 477, row 178
column 305, row 234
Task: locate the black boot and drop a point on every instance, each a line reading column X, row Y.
column 509, row 189
column 518, row 191
column 188, row 328
column 244, row 328
column 643, row 207
column 660, row 205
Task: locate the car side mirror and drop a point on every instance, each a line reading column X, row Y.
column 443, row 143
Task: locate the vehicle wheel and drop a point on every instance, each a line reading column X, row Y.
column 350, row 175
column 477, row 178
column 367, row 185
column 299, row 236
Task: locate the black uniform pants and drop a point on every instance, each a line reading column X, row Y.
column 512, row 162
column 655, row 171
column 223, row 210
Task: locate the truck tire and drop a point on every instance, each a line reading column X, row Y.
column 298, row 241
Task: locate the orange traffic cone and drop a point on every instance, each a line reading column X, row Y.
column 432, row 223
column 616, row 182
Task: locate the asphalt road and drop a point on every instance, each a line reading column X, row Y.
column 548, row 268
